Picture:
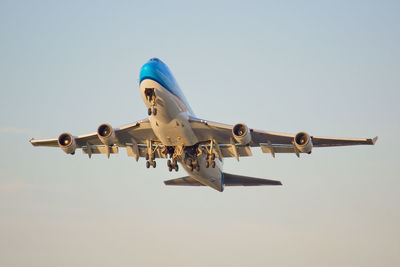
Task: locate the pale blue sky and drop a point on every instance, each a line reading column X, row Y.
column 330, row 68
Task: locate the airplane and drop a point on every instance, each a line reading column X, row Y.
column 173, row 132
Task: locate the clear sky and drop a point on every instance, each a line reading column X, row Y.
column 330, row 68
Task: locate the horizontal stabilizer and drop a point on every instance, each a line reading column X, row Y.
column 239, row 180
column 185, row 181
column 229, row 180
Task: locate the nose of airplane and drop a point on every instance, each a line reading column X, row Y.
column 152, row 65
column 149, row 69
column 156, row 70
column 155, row 59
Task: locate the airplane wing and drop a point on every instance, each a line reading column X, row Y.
column 269, row 142
column 133, row 136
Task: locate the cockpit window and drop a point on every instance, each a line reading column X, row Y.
column 154, row 59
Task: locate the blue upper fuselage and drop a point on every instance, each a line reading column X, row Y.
column 158, row 71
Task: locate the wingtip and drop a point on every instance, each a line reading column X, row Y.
column 374, row 140
column 32, row 141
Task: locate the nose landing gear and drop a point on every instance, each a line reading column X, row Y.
column 151, row 98
column 152, row 110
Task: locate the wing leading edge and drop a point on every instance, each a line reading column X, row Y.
column 140, row 131
column 134, row 137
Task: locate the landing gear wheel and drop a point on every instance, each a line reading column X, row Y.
column 176, row 167
column 197, row 168
column 191, row 168
column 213, row 164
column 212, row 156
column 147, row 164
column 169, row 163
column 170, row 168
column 207, row 164
column 154, row 164
column 154, row 111
column 147, row 156
column 149, row 111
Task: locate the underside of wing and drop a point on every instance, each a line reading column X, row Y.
column 326, row 141
column 269, row 142
column 222, row 133
column 134, row 137
column 44, row 142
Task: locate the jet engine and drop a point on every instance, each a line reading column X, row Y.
column 67, row 143
column 241, row 133
column 303, row 143
column 106, row 134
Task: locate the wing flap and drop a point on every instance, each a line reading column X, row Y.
column 270, row 148
column 100, row 150
column 228, row 151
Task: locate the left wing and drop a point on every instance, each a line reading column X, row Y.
column 269, row 142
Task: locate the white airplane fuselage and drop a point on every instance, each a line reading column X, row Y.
column 170, row 122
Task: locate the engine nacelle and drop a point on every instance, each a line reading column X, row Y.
column 303, row 143
column 106, row 134
column 241, row 133
column 67, row 143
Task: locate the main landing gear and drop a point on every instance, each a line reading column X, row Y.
column 210, row 160
column 172, row 165
column 193, row 164
column 210, row 155
column 163, row 152
column 151, row 98
column 150, row 161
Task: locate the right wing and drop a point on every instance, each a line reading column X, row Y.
column 134, row 137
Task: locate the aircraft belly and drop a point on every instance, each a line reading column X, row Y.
column 172, row 127
column 170, row 124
